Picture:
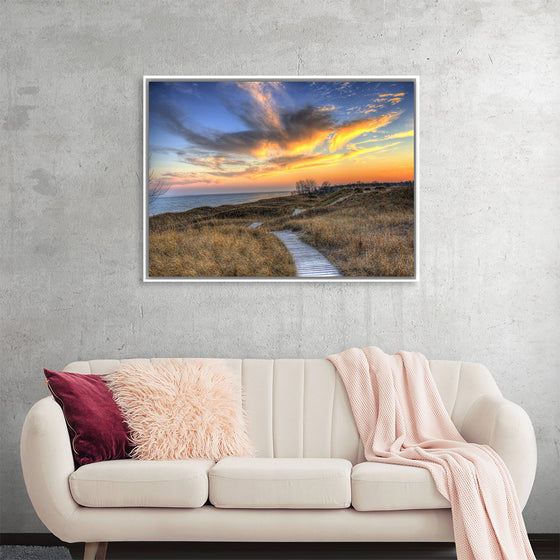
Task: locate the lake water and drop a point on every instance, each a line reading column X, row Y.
column 188, row 202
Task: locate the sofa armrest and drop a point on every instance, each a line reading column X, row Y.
column 506, row 427
column 47, row 461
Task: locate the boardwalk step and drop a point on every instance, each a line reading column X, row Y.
column 309, row 262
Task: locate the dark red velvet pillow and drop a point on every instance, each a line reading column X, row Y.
column 97, row 429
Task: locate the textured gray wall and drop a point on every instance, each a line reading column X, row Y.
column 71, row 158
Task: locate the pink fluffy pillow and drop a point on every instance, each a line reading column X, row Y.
column 181, row 409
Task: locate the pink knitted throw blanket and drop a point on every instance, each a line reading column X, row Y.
column 401, row 420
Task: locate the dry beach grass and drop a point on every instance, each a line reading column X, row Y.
column 218, row 250
column 363, row 232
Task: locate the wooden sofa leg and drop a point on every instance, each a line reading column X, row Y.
column 95, row 551
column 101, row 550
column 90, row 551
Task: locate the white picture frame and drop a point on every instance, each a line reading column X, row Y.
column 148, row 79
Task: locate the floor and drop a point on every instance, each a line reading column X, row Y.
column 293, row 551
column 546, row 547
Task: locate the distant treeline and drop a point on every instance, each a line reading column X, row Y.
column 311, row 187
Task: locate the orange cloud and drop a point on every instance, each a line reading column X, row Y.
column 372, row 108
column 308, row 144
column 221, row 171
column 309, row 140
column 392, row 98
column 264, row 149
column 320, row 161
column 376, row 149
column 287, row 163
column 353, row 129
column 401, row 135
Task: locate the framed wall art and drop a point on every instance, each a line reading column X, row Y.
column 280, row 178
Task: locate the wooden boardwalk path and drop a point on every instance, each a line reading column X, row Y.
column 309, row 262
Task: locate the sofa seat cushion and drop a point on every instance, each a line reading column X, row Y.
column 382, row 487
column 136, row 483
column 280, row 483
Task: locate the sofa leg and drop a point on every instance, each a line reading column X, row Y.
column 90, row 551
column 102, row 550
column 95, row 550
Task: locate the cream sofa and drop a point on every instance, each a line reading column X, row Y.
column 309, row 481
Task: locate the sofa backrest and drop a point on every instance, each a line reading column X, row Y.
column 299, row 408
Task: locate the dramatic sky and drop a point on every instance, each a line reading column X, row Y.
column 208, row 137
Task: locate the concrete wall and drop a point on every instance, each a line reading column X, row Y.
column 71, row 159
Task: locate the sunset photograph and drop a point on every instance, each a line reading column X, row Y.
column 301, row 179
